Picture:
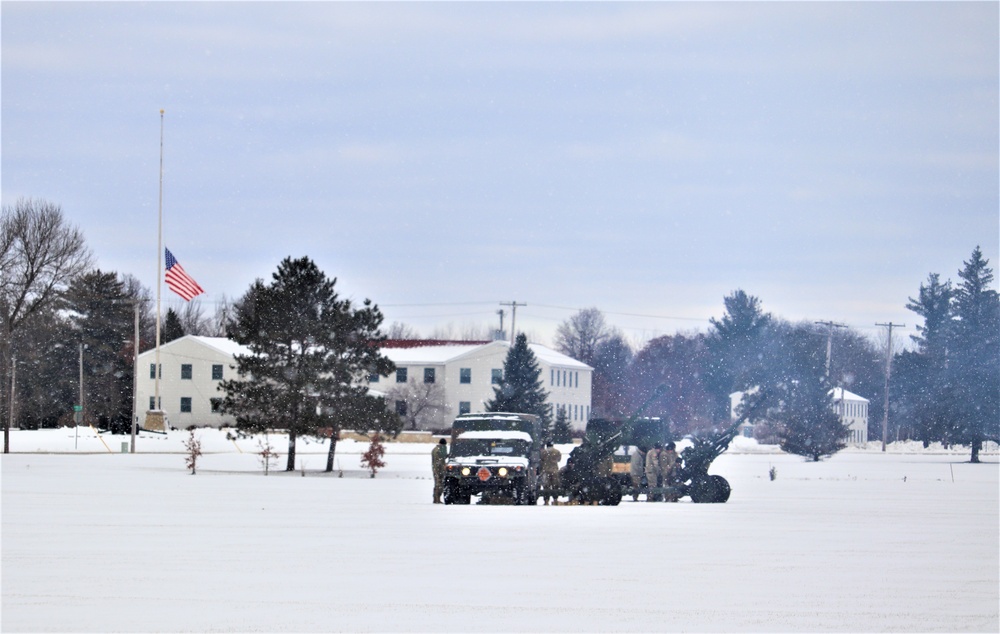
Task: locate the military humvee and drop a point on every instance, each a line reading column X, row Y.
column 496, row 455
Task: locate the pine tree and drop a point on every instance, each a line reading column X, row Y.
column 808, row 425
column 562, row 432
column 925, row 391
column 734, row 345
column 102, row 318
column 521, row 388
column 309, row 353
column 172, row 328
column 974, row 359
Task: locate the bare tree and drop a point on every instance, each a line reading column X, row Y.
column 40, row 253
column 399, row 330
column 425, row 403
column 581, row 334
column 193, row 319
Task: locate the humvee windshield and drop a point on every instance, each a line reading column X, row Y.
column 470, row 447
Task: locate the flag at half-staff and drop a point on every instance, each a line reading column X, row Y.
column 178, row 280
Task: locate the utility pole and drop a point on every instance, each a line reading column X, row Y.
column 829, row 341
column 888, row 371
column 13, row 392
column 513, row 318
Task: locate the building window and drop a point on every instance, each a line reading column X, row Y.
column 552, row 376
column 186, row 371
column 152, row 402
column 152, row 371
column 465, row 375
column 216, row 371
column 400, row 375
column 464, row 407
column 373, row 377
column 496, row 376
column 401, row 408
column 428, row 375
column 185, row 404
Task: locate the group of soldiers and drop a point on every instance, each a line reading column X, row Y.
column 655, row 468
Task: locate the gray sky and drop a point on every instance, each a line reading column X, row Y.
column 440, row 158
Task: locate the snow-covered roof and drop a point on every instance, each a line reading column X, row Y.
column 222, row 344
column 444, row 354
column 840, row 393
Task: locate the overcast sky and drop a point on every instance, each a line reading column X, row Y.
column 646, row 159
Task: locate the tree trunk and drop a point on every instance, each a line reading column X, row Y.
column 976, row 444
column 291, row 451
column 333, row 450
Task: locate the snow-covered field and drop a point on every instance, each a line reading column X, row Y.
column 99, row 541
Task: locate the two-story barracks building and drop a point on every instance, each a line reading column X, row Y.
column 192, row 367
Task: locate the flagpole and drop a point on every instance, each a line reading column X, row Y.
column 159, row 275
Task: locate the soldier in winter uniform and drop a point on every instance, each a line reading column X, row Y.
column 668, row 462
column 550, row 471
column 636, row 470
column 654, row 471
column 438, row 457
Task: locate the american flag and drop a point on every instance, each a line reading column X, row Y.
column 179, row 281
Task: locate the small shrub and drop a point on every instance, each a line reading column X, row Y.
column 372, row 459
column 193, row 446
column 267, row 454
column 773, row 473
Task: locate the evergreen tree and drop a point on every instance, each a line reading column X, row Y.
column 926, row 394
column 521, row 388
column 562, row 431
column 803, row 405
column 734, row 345
column 102, row 319
column 974, row 359
column 310, row 352
column 172, row 328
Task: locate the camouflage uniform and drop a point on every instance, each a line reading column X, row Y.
column 438, row 457
column 550, row 471
column 636, row 470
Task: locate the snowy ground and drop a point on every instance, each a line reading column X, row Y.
column 94, row 540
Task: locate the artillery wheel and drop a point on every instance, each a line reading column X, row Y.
column 722, row 488
column 455, row 495
column 610, row 492
column 710, row 489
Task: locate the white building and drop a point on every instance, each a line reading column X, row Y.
column 852, row 409
column 469, row 372
column 853, row 412
column 193, row 366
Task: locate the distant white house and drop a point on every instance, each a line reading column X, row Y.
column 468, row 373
column 852, row 409
column 192, row 367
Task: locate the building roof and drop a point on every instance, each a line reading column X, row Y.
column 220, row 344
column 840, row 393
column 440, row 354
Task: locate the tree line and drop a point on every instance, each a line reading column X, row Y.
column 944, row 390
column 68, row 337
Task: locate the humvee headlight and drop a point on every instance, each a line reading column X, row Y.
column 502, row 471
column 466, row 471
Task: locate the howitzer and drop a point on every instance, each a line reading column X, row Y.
column 587, row 476
column 691, row 474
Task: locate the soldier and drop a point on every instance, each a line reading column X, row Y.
column 668, row 463
column 550, row 471
column 654, row 472
column 438, row 457
column 636, row 471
